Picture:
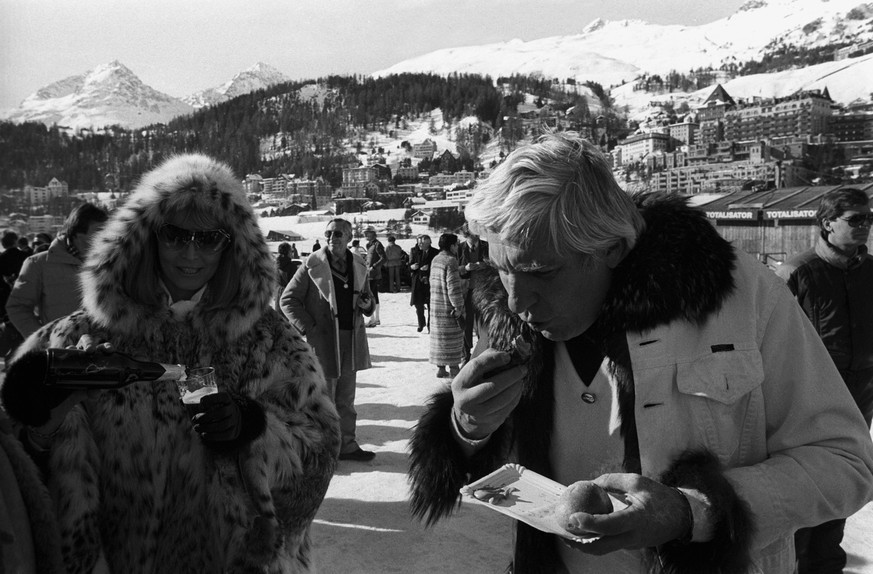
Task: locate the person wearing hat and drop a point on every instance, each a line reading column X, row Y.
column 181, row 273
column 375, row 259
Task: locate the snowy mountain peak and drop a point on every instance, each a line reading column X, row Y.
column 265, row 69
column 752, row 5
column 108, row 94
column 257, row 77
column 594, row 26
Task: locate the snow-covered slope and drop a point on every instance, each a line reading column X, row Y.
column 610, row 53
column 847, row 81
column 107, row 95
column 257, row 77
column 614, row 52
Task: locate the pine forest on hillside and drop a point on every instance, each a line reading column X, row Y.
column 312, row 134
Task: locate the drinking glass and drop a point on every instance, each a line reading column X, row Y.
column 198, row 383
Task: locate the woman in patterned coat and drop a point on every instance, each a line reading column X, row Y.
column 446, row 308
column 182, row 274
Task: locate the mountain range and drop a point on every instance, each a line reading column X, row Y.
column 259, row 76
column 111, row 94
column 611, row 53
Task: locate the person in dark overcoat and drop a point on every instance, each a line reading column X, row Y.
column 420, row 258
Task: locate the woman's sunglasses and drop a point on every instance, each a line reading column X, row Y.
column 859, row 219
column 173, row 237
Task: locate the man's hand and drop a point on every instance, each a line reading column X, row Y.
column 656, row 514
column 481, row 406
column 364, row 301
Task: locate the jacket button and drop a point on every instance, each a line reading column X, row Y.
column 589, row 398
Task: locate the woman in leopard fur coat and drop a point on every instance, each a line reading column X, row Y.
column 138, row 486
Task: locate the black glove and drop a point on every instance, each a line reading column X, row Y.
column 228, row 421
column 24, row 395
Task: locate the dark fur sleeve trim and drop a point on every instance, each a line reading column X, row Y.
column 728, row 551
column 438, row 467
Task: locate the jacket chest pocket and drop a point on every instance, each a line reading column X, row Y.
column 723, row 390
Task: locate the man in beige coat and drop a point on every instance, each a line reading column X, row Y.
column 48, row 287
column 326, row 300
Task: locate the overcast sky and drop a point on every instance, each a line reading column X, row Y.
column 181, row 46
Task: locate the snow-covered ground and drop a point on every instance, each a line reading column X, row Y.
column 364, row 525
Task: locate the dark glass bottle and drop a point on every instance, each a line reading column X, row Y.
column 75, row 369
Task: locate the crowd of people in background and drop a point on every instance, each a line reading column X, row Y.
column 180, row 276
column 440, row 283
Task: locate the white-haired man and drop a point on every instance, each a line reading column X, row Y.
column 326, row 300
column 666, row 366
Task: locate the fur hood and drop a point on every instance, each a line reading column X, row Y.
column 118, row 249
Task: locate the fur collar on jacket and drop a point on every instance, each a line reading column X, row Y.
column 119, row 248
column 319, row 269
column 680, row 268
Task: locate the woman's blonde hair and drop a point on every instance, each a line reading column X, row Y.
column 558, row 191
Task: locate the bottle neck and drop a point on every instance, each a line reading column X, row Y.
column 72, row 368
column 173, row 372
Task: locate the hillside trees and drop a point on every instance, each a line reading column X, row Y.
column 273, row 131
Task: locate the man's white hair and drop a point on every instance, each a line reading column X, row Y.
column 558, row 190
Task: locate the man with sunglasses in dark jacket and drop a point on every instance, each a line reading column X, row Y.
column 833, row 282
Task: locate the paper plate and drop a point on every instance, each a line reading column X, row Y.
column 530, row 497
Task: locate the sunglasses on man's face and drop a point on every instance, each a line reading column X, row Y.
column 333, row 232
column 859, row 219
column 177, row 238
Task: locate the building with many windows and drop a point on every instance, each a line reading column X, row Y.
column 462, row 176
column 710, row 116
column 806, row 113
column 407, row 173
column 684, row 132
column 41, row 195
column 364, row 174
column 852, row 126
column 639, row 146
column 425, row 149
